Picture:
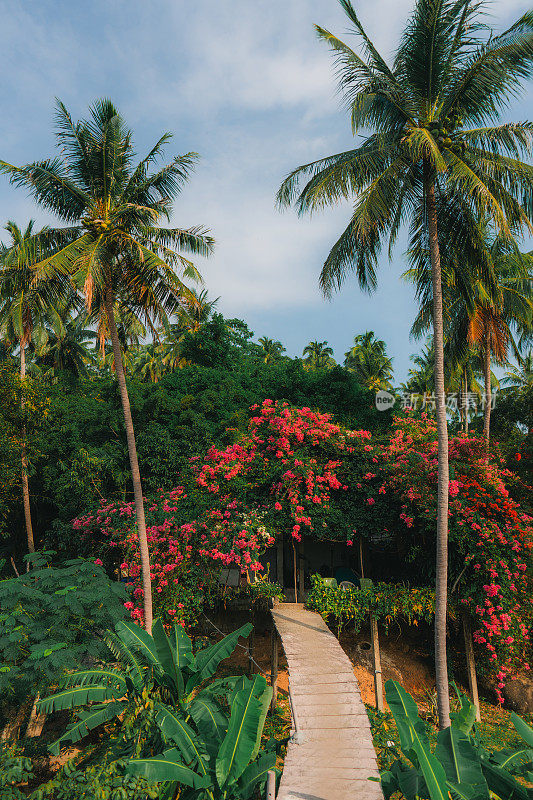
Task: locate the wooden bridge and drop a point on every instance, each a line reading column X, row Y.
column 331, row 755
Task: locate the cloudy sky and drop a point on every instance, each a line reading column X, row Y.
column 246, row 84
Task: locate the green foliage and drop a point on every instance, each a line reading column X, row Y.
column 181, row 726
column 48, row 618
column 14, row 770
column 386, row 601
column 459, row 766
column 82, row 447
column 215, row 754
column 13, row 418
column 148, row 669
column 103, row 781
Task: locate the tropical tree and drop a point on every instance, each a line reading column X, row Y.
column 369, row 362
column 318, row 355
column 61, row 342
column 520, row 377
column 116, row 253
column 483, row 319
column 435, row 155
column 272, row 350
column 24, row 301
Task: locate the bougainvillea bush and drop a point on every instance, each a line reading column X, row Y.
column 490, row 536
column 297, row 473
column 186, row 556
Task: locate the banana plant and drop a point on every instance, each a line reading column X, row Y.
column 459, row 768
column 146, row 670
column 215, row 755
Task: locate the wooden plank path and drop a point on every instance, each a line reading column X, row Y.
column 331, row 757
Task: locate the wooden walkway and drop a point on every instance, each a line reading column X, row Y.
column 331, row 755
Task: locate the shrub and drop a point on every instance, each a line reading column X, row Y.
column 48, row 619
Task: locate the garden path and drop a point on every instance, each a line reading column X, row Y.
column 331, row 755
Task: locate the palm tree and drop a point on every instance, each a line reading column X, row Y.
column 23, row 303
column 519, row 378
column 481, row 318
column 369, row 362
column 61, row 341
column 272, row 350
column 318, row 355
column 432, row 116
column 117, row 253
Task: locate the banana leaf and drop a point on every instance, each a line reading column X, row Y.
column 179, row 733
column 88, row 721
column 503, row 784
column 240, row 741
column 432, row 770
column 208, row 659
column 167, row 767
column 405, row 713
column 255, row 775
column 523, row 729
column 168, row 658
column 464, row 719
column 138, row 639
column 90, row 677
column 182, row 645
column 514, row 761
column 78, row 696
column 211, row 721
column 461, row 763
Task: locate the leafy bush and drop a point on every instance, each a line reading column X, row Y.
column 187, row 552
column 459, row 767
column 105, row 782
column 48, row 619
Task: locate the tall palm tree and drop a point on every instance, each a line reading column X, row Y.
column 272, row 349
column 318, row 355
column 117, row 252
column 24, row 302
column 432, row 116
column 369, row 362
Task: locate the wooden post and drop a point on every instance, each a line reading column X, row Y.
column 295, row 571
column 251, row 654
column 470, row 663
column 279, row 561
column 36, row 721
column 301, row 571
column 378, row 682
column 274, row 670
column 271, row 785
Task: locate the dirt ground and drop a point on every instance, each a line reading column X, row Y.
column 403, row 658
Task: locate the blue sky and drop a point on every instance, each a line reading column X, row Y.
column 247, row 86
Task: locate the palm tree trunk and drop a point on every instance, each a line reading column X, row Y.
column 441, row 580
column 134, row 463
column 488, row 392
column 24, row 460
column 465, row 402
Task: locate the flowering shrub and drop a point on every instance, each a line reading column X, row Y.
column 293, row 465
column 186, row 557
column 490, row 537
column 296, row 472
